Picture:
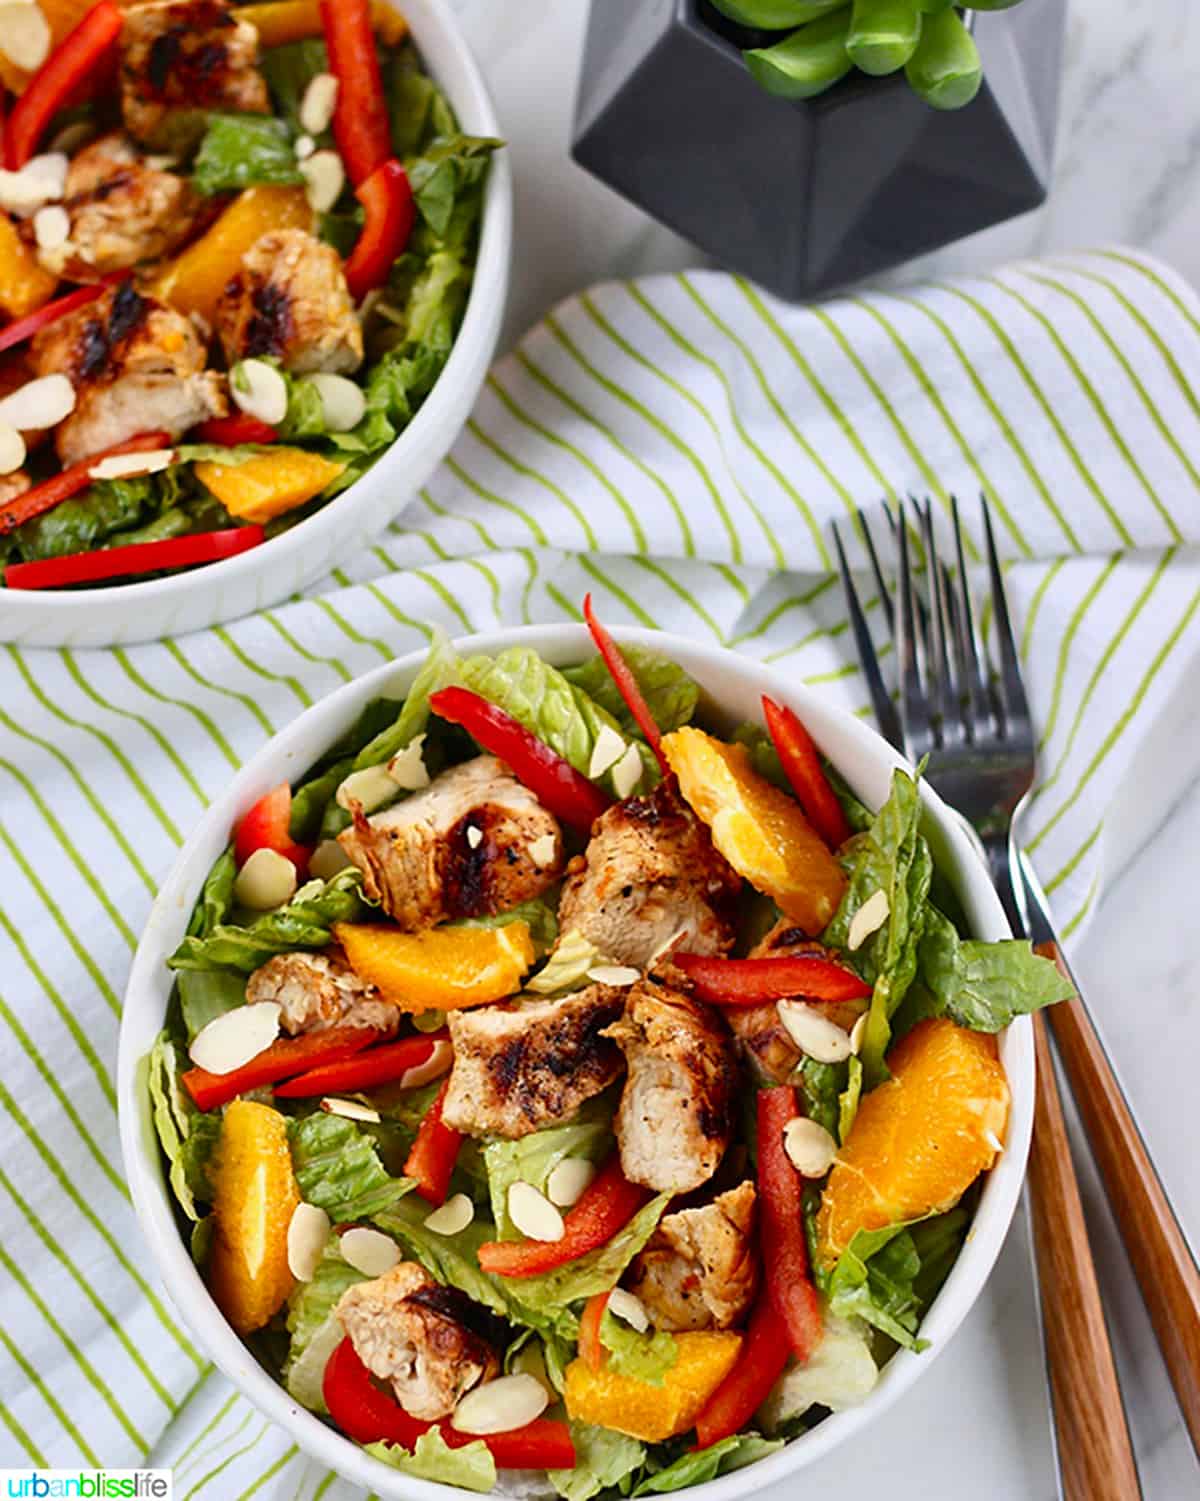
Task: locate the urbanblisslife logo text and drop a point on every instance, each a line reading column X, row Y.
column 87, row 1485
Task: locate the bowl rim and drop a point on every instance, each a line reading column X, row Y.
column 147, row 991
column 434, row 27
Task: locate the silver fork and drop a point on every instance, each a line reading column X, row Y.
column 974, row 727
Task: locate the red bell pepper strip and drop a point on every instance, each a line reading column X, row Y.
column 266, row 827
column 138, row 558
column 78, row 58
column 781, row 1226
column 391, row 212
column 368, row 1415
column 750, row 982
column 382, row 1065
column 803, row 769
column 288, row 1056
column 557, row 785
column 591, row 1351
column 25, row 328
column 434, row 1153
column 627, row 684
column 64, row 484
column 240, row 427
column 362, row 127
column 744, row 1390
column 607, row 1205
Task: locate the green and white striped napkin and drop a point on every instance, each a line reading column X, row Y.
column 678, row 446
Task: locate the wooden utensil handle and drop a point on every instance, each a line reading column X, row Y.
column 1094, row 1450
column 1162, row 1259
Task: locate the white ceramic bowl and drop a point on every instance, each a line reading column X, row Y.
column 733, row 686
column 259, row 578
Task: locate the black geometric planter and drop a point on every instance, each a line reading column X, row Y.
column 807, row 195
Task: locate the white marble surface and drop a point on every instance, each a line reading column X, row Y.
column 1128, row 169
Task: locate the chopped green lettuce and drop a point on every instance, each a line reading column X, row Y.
column 598, row 1270
column 840, row 1373
column 305, row 923
column 567, row 967
column 849, row 1098
column 205, row 994
column 338, row 1169
column 764, row 758
column 449, row 168
column 243, row 151
column 471, row 1468
column 532, row 1159
column 539, row 915
column 419, row 111
column 289, row 69
column 309, row 800
column 821, row 1085
column 889, row 1277
column 603, row 1460
column 315, row 1332
column 188, row 1136
column 670, row 694
column 643, row 1357
column 694, row 1468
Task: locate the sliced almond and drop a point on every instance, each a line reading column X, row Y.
column 318, row 104
column 813, row 1033
column 40, row 181
column 501, row 1405
column 24, row 35
column 857, row 1032
column 869, row 918
column 342, row 402
column 454, row 1215
column 304, row 147
column 474, row 836
column 994, row 1142
column 369, row 788
column 266, row 881
column 259, row 390
column 607, row 751
column 308, row 1232
column 627, row 773
column 567, row 1182
column 229, row 1041
column 628, row 1307
column 352, row 1110
column 533, row 1214
column 12, row 448
column 327, row 860
column 434, row 1067
column 407, row 767
column 543, row 850
column 51, row 226
column 39, row 403
column 810, row 1148
column 614, row 974
column 324, row 178
column 369, row 1251
column 127, row 465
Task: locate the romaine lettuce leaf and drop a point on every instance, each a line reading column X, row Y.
column 603, row 1459
column 596, row 1272
column 188, row 1136
column 305, row 923
column 643, row 1357
column 289, row 69
column 326, row 776
column 205, row 994
column 840, row 1373
column 338, row 1168
column 567, row 967
column 732, row 1453
column 539, row 914
column 849, row 1098
column 471, row 1468
column 670, row 694
column 242, row 151
column 216, row 896
column 820, row 1086
column 315, row 1332
column 450, row 168
column 533, row 1158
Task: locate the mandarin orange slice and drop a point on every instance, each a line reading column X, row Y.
column 921, row 1139
column 609, row 1399
column 439, row 968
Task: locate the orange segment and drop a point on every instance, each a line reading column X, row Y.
column 759, row 829
column 440, row 968
column 654, row 1413
column 275, row 482
column 921, row 1139
column 254, row 1195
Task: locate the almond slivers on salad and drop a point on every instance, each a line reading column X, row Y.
column 527, row 1114
column 236, row 246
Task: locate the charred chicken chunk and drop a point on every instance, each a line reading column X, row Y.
column 413, row 1333
column 318, row 991
column 136, row 366
column 651, row 876
column 290, row 300
column 521, row 1068
column 764, row 1040
column 674, row 1120
column 123, row 209
column 180, row 59
column 699, row 1269
column 474, row 841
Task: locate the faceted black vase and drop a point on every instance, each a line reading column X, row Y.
column 808, row 195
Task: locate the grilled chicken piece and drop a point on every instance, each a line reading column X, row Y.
column 674, row 1120
column 136, row 366
column 474, row 841
column 123, row 210
column 12, row 485
column 521, row 1068
column 699, row 1269
column 408, row 1330
column 650, row 877
column 180, row 59
column 319, row 991
column 290, row 300
column 764, row 1040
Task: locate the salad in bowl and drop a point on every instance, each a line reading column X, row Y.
column 236, row 247
column 560, row 1077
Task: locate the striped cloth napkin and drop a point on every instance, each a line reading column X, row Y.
column 678, row 446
